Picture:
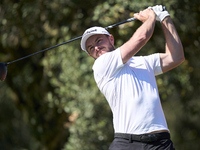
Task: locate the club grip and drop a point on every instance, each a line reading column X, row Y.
column 164, row 8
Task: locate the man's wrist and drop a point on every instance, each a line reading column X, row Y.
column 165, row 19
column 152, row 15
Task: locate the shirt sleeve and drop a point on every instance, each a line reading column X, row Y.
column 154, row 61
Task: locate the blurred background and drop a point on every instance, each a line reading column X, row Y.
column 51, row 102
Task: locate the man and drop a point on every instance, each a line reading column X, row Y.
column 128, row 82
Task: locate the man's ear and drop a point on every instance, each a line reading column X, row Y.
column 111, row 38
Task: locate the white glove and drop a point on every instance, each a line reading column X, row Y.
column 160, row 12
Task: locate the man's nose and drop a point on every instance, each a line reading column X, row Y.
column 97, row 48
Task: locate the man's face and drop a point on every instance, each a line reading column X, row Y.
column 99, row 44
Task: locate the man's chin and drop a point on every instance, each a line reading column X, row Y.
column 101, row 52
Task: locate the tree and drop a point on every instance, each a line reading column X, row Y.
column 51, row 100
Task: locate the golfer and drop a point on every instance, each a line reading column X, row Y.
column 128, row 82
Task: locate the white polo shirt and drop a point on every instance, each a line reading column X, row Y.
column 131, row 91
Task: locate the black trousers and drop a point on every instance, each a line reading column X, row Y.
column 125, row 144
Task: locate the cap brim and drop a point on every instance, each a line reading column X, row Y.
column 84, row 39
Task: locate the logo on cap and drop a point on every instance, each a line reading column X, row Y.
column 91, row 31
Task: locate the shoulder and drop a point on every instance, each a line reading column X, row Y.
column 152, row 57
column 107, row 58
column 153, row 62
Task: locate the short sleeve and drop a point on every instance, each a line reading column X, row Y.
column 154, row 62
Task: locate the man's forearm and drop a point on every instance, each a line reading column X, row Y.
column 173, row 49
column 139, row 38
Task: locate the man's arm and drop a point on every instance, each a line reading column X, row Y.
column 174, row 54
column 141, row 36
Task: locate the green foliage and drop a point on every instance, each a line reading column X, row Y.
column 51, row 102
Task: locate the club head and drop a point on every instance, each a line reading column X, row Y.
column 3, row 71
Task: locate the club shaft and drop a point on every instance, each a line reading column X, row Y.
column 108, row 27
column 45, row 50
column 117, row 24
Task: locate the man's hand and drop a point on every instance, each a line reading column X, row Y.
column 144, row 15
column 160, row 11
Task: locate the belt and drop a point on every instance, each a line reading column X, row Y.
column 145, row 138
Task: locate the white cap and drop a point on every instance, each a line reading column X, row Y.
column 89, row 32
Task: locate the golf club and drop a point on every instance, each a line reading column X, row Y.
column 3, row 66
